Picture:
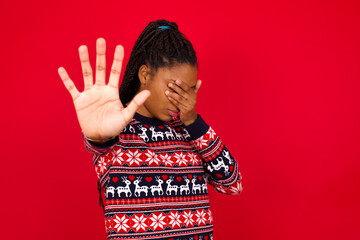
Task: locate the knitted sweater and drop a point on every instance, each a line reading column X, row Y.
column 154, row 176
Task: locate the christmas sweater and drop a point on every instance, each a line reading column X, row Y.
column 154, row 177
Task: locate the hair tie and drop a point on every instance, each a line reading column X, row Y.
column 163, row 28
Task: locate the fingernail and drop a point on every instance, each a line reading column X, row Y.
column 178, row 81
column 167, row 92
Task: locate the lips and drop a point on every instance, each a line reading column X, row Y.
column 173, row 113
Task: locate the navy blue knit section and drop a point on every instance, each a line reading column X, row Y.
column 198, row 128
column 105, row 144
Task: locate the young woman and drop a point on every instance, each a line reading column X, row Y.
column 152, row 152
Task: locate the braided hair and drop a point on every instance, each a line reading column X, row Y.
column 157, row 48
column 160, row 45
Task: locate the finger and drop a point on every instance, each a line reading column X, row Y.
column 100, row 61
column 116, row 66
column 198, row 85
column 182, row 85
column 177, row 104
column 175, row 98
column 135, row 103
column 178, row 90
column 86, row 67
column 69, row 84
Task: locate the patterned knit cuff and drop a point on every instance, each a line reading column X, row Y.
column 104, row 144
column 198, row 128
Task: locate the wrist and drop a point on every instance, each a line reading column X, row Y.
column 99, row 140
column 189, row 122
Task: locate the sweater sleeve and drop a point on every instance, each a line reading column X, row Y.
column 221, row 169
column 99, row 148
column 102, row 155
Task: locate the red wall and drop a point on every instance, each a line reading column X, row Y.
column 280, row 86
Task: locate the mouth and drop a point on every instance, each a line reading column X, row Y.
column 173, row 113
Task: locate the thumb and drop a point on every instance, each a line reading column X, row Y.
column 135, row 103
column 198, row 85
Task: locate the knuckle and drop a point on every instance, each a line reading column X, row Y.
column 70, row 87
column 114, row 71
column 118, row 59
column 87, row 73
column 100, row 68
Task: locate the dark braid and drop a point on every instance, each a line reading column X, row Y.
column 101, row 203
column 155, row 48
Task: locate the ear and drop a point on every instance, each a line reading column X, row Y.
column 144, row 74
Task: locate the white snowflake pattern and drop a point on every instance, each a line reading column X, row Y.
column 201, row 143
column 121, row 223
column 102, row 165
column 167, row 160
column 188, row 220
column 158, row 221
column 180, row 159
column 236, row 189
column 118, row 156
column 108, row 224
column 210, row 216
column 193, row 159
column 152, row 158
column 211, row 133
column 134, row 157
column 139, row 222
column 200, row 216
column 220, row 188
column 175, row 219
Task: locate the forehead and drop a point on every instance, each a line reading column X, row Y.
column 183, row 72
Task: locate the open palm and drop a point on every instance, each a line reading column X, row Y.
column 99, row 110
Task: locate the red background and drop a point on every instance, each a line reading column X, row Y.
column 280, row 87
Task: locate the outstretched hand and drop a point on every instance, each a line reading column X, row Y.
column 100, row 112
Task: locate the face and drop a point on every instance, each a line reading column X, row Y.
column 157, row 105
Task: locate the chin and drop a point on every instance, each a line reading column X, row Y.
column 168, row 118
column 165, row 117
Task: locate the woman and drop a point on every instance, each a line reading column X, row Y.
column 152, row 152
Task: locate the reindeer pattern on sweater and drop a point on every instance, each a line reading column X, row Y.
column 155, row 178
